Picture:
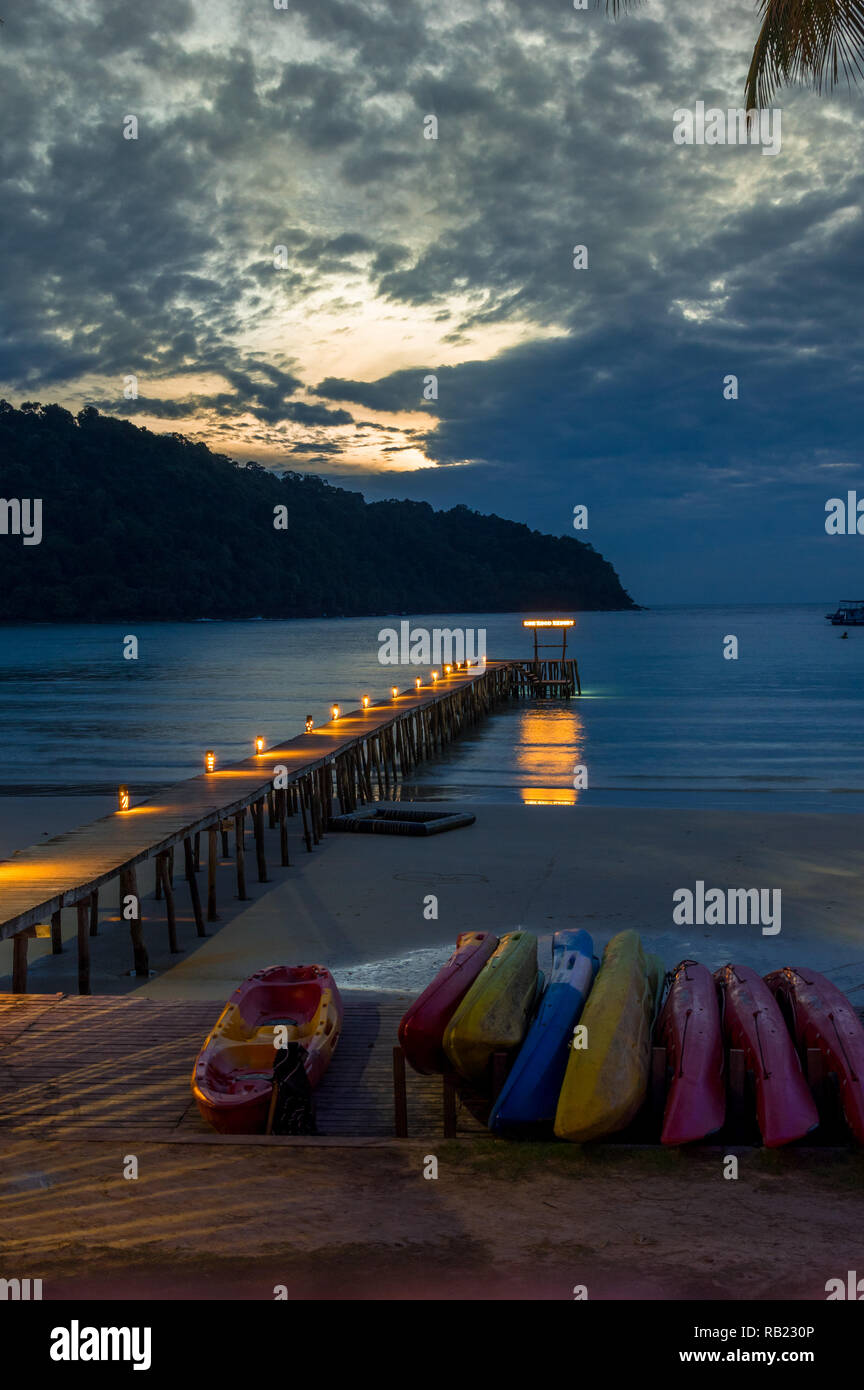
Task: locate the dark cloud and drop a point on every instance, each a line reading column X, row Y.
column 304, row 128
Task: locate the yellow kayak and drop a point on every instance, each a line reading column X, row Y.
column 605, row 1083
column 495, row 1013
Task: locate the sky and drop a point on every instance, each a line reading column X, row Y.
column 262, row 128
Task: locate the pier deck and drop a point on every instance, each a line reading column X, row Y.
column 111, row 1065
column 63, row 871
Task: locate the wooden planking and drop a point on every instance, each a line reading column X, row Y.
column 38, row 881
column 118, row 1062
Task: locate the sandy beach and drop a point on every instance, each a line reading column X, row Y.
column 356, row 904
column 359, row 1214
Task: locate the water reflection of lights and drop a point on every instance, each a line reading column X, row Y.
column 548, row 796
column 549, row 746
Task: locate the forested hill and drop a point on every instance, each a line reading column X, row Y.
column 143, row 525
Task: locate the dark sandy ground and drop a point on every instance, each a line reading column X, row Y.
column 500, row 1221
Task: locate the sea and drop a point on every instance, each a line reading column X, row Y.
column 667, row 717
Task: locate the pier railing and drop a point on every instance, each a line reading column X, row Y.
column 352, row 757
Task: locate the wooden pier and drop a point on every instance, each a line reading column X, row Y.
column 355, row 758
column 58, row 1073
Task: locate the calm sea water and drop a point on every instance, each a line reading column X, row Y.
column 665, row 720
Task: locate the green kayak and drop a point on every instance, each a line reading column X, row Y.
column 495, row 1013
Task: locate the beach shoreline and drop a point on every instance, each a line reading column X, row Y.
column 361, row 904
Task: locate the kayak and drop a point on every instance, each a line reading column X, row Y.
column 605, row 1083
column 232, row 1080
column 530, row 1093
column 421, row 1031
column 821, row 1016
column 495, row 1013
column 689, row 1029
column 752, row 1021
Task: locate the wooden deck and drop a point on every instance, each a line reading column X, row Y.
column 64, row 871
column 109, row 1065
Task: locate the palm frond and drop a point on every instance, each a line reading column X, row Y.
column 616, row 7
column 815, row 42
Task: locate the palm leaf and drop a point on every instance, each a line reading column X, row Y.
column 816, row 42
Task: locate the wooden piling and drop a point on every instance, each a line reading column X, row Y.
column 19, row 962
column 170, row 911
column 282, row 797
column 212, row 860
column 129, row 888
column 84, row 947
column 400, row 1095
column 449, row 1106
column 240, row 854
column 306, row 835
column 56, row 934
column 190, row 860
column 258, row 819
column 94, row 912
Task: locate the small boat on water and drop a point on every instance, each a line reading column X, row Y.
column 233, row 1077
column 819, row 1015
column 495, row 1013
column 529, row 1096
column 752, row 1021
column 606, row 1082
column 689, row 1028
column 421, row 1031
column 849, row 613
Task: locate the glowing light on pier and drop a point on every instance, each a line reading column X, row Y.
column 260, row 744
column 417, row 683
column 434, row 677
column 394, row 691
column 209, row 761
column 334, row 712
column 365, row 701
column 123, row 799
column 310, row 723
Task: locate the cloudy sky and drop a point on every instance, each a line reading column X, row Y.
column 303, row 128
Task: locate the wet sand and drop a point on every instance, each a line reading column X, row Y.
column 360, row 903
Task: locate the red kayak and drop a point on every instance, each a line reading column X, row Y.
column 421, row 1031
column 752, row 1021
column 821, row 1016
column 282, row 1008
column 689, row 1029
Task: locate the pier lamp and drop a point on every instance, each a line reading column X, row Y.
column 394, row 691
column 209, row 761
column 434, row 677
column 447, row 670
column 260, row 744
column 334, row 712
column 310, row 723
column 417, row 683
column 365, row 701
column 122, row 798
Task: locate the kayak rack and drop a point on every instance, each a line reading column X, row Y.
column 740, row 1129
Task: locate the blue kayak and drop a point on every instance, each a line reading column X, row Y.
column 529, row 1097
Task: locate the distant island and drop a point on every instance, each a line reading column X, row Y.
column 153, row 526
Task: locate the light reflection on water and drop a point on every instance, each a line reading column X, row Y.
column 664, row 721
